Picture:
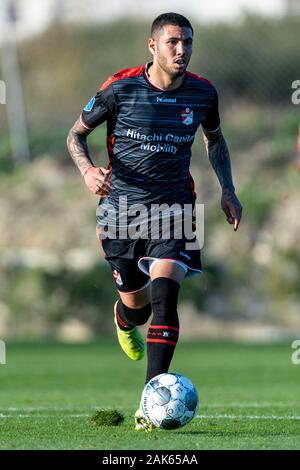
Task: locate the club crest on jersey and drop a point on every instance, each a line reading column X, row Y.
column 187, row 116
column 90, row 104
column 117, row 277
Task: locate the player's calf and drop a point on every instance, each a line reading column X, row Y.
column 129, row 336
column 163, row 332
column 128, row 318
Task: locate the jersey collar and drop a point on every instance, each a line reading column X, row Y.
column 145, row 70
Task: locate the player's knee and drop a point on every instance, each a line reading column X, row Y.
column 164, row 299
column 137, row 299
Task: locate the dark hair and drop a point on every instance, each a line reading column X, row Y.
column 170, row 18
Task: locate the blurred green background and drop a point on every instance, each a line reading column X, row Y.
column 54, row 282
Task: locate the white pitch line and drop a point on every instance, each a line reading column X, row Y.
column 81, row 415
column 220, row 416
column 249, row 405
column 58, row 408
column 92, row 407
column 226, row 416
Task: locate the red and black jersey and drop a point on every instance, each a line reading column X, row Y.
column 150, row 132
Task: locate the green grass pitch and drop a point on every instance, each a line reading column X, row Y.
column 48, row 392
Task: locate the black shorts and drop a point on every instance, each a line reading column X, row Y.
column 131, row 259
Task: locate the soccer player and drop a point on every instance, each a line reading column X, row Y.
column 152, row 113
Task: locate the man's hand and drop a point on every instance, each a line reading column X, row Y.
column 97, row 180
column 232, row 207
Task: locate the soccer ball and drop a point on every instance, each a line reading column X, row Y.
column 169, row 401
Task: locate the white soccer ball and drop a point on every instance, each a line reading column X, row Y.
column 169, row 401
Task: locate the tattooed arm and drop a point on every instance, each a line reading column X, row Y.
column 219, row 158
column 96, row 179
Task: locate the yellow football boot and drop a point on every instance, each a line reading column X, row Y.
column 142, row 423
column 132, row 341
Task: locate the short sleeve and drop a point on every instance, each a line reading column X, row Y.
column 212, row 119
column 99, row 109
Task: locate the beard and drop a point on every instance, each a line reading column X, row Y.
column 172, row 72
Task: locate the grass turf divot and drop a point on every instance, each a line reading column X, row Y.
column 107, row 418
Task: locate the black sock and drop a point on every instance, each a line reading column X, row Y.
column 128, row 318
column 164, row 329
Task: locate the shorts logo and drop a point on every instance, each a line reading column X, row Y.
column 117, row 277
column 90, row 105
column 187, row 116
